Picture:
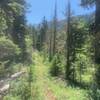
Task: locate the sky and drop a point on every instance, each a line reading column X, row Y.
column 40, row 8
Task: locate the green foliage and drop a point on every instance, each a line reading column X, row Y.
column 32, row 33
column 81, row 64
column 10, row 97
column 56, row 66
column 8, row 10
column 31, row 76
column 12, row 22
column 24, row 91
column 8, row 50
column 3, row 23
column 21, row 88
column 94, row 93
column 3, row 70
column 42, row 35
column 13, row 27
column 29, row 48
column 21, row 92
column 9, row 53
column 97, row 75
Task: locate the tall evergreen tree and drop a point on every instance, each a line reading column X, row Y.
column 68, row 42
column 43, row 33
column 50, row 43
column 54, row 29
column 97, row 33
column 18, row 34
column 8, row 9
column 97, row 25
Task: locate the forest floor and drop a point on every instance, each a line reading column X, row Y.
column 46, row 87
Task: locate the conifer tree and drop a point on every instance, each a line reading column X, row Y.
column 19, row 29
column 68, row 42
column 54, row 30
column 95, row 3
column 43, row 33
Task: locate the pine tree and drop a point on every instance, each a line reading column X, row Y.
column 13, row 16
column 19, row 29
column 50, row 43
column 8, row 9
column 54, row 30
column 97, row 33
column 68, row 43
column 97, row 25
column 43, row 33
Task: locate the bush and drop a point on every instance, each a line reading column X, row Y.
column 8, row 50
column 2, row 69
column 10, row 97
column 24, row 91
column 8, row 54
column 29, row 48
column 19, row 89
column 83, row 68
column 56, row 66
column 94, row 93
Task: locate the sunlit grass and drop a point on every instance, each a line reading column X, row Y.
column 45, row 87
column 58, row 87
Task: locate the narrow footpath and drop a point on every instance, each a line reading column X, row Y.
column 46, row 87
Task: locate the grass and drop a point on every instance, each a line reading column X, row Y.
column 45, row 87
column 56, row 87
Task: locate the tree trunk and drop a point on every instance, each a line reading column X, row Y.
column 97, row 41
column 50, row 47
column 97, row 33
column 68, row 43
column 55, row 30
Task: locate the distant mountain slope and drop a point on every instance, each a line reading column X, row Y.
column 62, row 23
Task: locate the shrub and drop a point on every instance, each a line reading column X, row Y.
column 29, row 48
column 83, row 68
column 2, row 69
column 10, row 97
column 8, row 50
column 20, row 89
column 94, row 93
column 8, row 54
column 56, row 66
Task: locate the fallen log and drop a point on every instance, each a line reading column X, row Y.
column 4, row 84
column 4, row 88
column 16, row 75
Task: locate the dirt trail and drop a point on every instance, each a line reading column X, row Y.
column 49, row 94
column 41, row 77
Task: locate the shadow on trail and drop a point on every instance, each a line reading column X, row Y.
column 76, row 84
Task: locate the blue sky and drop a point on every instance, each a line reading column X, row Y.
column 40, row 8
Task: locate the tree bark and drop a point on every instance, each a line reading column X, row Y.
column 68, row 43
column 55, row 30
column 97, row 33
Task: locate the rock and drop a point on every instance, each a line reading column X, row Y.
column 4, row 88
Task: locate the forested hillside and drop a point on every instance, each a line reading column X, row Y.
column 53, row 60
